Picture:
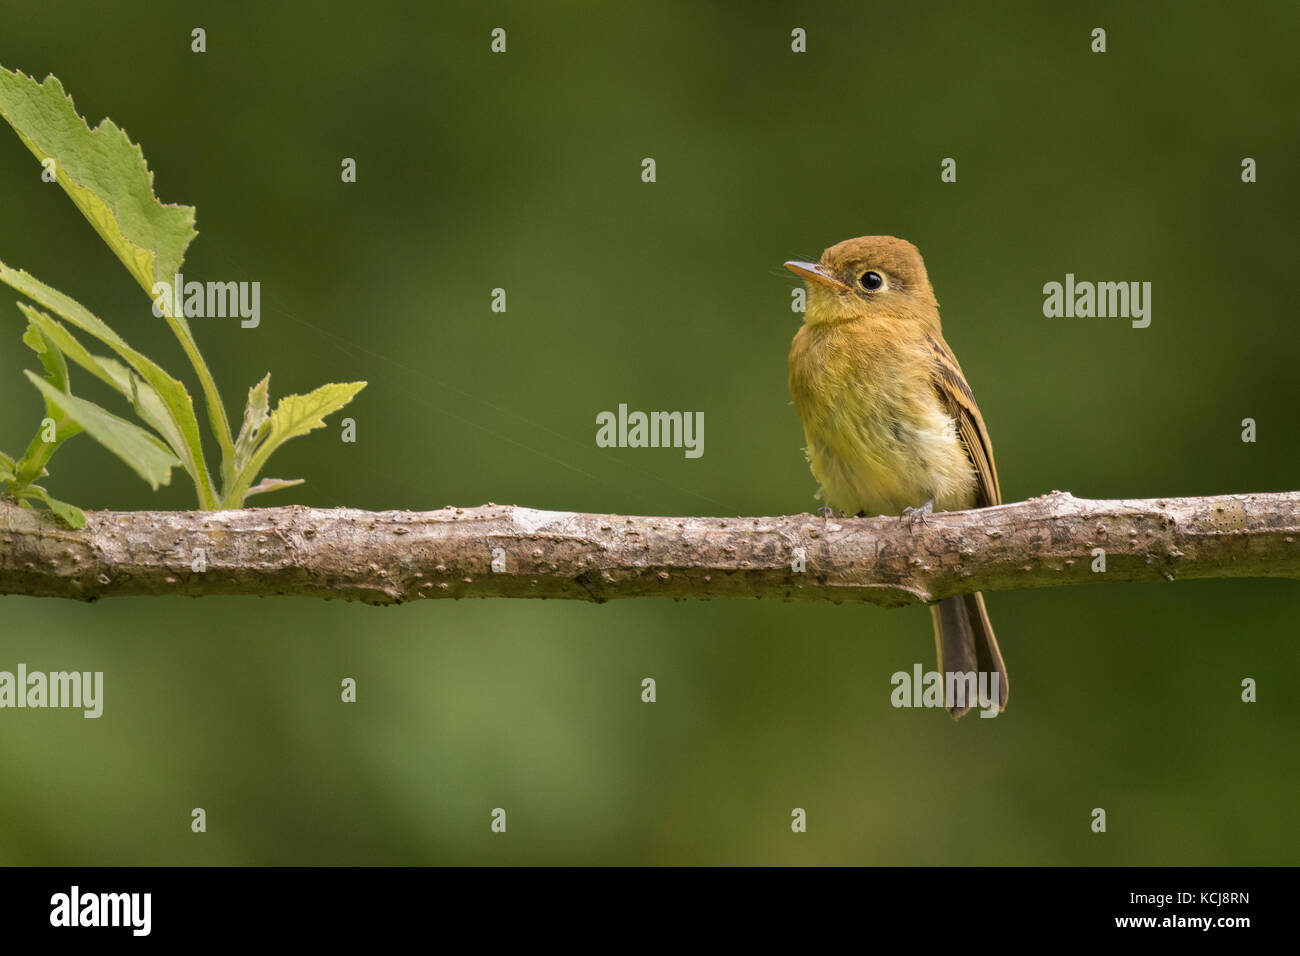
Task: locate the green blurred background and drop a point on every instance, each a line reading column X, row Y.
column 522, row 171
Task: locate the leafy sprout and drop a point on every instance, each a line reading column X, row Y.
column 105, row 175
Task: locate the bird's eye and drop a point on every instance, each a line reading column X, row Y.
column 871, row 281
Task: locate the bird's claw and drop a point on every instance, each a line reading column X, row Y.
column 911, row 514
column 826, row 511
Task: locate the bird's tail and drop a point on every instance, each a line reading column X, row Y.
column 964, row 639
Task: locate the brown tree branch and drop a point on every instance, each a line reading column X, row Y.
column 388, row 557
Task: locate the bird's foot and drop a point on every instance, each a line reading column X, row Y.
column 911, row 514
column 826, row 511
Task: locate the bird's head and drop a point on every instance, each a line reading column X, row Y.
column 867, row 276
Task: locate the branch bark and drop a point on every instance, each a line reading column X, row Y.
column 388, row 557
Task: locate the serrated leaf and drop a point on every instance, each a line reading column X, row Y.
column 294, row 415
column 69, row 309
column 150, row 458
column 72, row 516
column 104, row 174
column 272, row 484
column 172, row 394
column 256, row 413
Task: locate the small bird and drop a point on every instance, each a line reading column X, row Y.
column 891, row 425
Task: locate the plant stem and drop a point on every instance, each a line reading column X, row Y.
column 38, row 454
column 212, row 398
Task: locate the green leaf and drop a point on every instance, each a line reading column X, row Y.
column 73, row 516
column 145, row 399
column 56, row 369
column 172, row 394
column 294, row 415
column 104, row 174
column 153, row 411
column 150, row 458
column 63, row 342
column 40, row 450
column 256, row 413
column 272, row 484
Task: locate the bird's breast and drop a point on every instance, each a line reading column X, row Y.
column 878, row 439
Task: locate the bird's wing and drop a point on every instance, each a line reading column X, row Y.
column 950, row 384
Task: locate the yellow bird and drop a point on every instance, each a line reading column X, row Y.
column 891, row 425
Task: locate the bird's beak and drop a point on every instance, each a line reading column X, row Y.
column 813, row 272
